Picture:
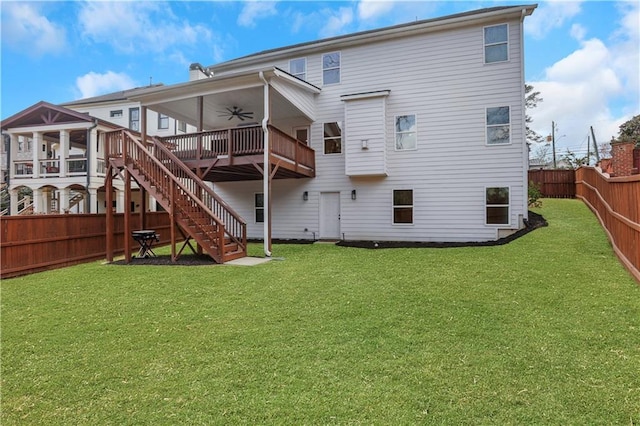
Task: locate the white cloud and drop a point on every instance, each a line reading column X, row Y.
column 578, row 32
column 550, row 15
column 254, row 10
column 94, row 84
column 131, row 27
column 25, row 29
column 373, row 9
column 337, row 21
column 580, row 91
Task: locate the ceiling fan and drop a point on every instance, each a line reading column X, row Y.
column 236, row 112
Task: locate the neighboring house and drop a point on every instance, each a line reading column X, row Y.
column 416, row 132
column 56, row 155
column 118, row 109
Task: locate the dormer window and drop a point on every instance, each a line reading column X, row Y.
column 496, row 43
column 298, row 68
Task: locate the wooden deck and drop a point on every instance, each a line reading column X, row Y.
column 238, row 154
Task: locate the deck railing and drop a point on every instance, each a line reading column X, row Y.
column 229, row 143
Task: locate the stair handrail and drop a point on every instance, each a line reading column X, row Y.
column 176, row 181
column 239, row 224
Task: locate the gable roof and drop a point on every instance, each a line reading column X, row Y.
column 376, row 34
column 43, row 113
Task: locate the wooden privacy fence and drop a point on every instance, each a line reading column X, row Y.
column 554, row 183
column 40, row 242
column 616, row 203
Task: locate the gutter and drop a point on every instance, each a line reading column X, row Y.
column 266, row 170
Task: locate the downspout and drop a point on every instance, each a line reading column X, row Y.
column 525, row 148
column 88, row 154
column 266, row 169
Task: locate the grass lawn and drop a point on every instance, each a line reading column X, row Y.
column 544, row 330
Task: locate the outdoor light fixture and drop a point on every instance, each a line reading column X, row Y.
column 353, row 194
column 305, row 195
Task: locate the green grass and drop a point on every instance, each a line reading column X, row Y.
column 544, row 330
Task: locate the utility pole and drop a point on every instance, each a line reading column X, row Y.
column 595, row 145
column 553, row 143
column 588, row 150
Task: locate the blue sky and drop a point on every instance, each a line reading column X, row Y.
column 581, row 56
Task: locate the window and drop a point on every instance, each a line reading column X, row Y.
column 182, row 126
column 115, row 113
column 259, row 207
column 333, row 138
column 298, row 68
column 302, row 134
column 406, row 137
column 496, row 43
column 497, row 202
column 163, row 121
column 134, row 119
column 498, row 125
column 331, row 68
column 402, row 206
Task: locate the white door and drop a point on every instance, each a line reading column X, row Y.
column 330, row 215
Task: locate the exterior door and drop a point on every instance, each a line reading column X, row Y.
column 330, row 215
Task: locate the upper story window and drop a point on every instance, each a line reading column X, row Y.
column 331, row 68
column 259, row 207
column 134, row 119
column 115, row 113
column 496, row 43
column 298, row 68
column 498, row 125
column 497, row 206
column 402, row 206
column 333, row 138
column 163, row 121
column 406, row 136
column 182, row 126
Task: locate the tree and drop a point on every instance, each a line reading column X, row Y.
column 540, row 155
column 531, row 100
column 573, row 160
column 630, row 130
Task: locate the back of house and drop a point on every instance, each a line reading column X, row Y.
column 418, row 133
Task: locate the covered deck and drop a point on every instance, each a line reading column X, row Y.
column 238, row 154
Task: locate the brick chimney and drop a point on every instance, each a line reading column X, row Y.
column 622, row 158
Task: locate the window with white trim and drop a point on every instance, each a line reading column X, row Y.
column 406, row 136
column 134, row 119
column 497, row 206
column 298, row 68
column 182, row 126
column 163, row 121
column 333, row 138
column 117, row 113
column 498, row 125
column 331, row 68
column 403, row 206
column 496, row 43
column 258, row 205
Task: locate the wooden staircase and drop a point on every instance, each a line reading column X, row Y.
column 198, row 211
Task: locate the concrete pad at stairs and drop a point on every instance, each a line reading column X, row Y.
column 248, row 261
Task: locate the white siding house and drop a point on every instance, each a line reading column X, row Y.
column 418, row 129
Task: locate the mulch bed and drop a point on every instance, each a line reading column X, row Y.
column 535, row 221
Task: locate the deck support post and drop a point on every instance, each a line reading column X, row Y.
column 127, row 216
column 266, row 178
column 109, row 211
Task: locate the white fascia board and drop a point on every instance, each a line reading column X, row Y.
column 296, row 81
column 50, row 127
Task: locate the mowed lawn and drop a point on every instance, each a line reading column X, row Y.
column 544, row 330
